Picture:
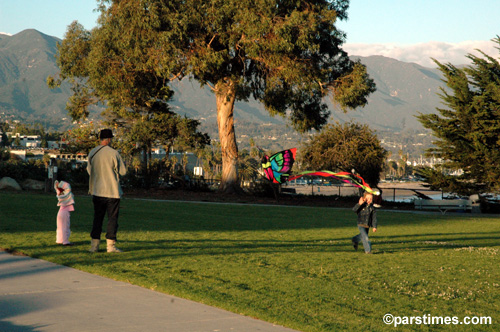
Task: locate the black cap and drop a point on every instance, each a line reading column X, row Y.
column 106, row 133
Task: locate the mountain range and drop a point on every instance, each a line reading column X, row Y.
column 28, row 58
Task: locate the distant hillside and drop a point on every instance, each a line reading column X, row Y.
column 27, row 58
column 403, row 90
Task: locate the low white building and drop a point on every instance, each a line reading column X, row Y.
column 28, row 141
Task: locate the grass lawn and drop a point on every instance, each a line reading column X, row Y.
column 293, row 266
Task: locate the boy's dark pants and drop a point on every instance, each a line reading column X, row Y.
column 103, row 205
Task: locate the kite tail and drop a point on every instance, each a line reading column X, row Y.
column 347, row 177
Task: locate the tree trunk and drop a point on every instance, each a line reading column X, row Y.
column 225, row 95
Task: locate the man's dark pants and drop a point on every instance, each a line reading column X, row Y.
column 103, row 205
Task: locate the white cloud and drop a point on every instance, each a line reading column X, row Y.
column 423, row 52
column 5, row 33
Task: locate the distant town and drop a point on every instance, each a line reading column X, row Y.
column 406, row 148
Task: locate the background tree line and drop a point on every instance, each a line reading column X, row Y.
column 357, row 154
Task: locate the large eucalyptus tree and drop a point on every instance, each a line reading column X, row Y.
column 286, row 54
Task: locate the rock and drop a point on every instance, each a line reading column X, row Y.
column 30, row 184
column 9, row 183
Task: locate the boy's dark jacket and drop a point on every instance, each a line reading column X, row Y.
column 367, row 215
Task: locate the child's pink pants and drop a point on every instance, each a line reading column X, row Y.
column 63, row 223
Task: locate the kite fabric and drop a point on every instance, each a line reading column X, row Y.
column 277, row 167
column 347, row 177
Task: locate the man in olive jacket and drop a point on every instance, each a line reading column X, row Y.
column 105, row 166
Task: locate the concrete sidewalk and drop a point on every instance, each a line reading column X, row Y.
column 36, row 295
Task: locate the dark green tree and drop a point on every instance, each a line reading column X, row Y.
column 107, row 66
column 145, row 130
column 211, row 159
column 4, row 139
column 344, row 147
column 286, row 54
column 468, row 130
column 4, row 154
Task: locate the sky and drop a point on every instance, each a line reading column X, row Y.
column 406, row 30
column 418, row 30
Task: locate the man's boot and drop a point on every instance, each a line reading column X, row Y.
column 112, row 246
column 94, row 245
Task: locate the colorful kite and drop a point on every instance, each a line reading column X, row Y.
column 347, row 177
column 277, row 167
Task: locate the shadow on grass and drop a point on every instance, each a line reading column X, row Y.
column 137, row 250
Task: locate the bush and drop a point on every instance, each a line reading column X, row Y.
column 20, row 170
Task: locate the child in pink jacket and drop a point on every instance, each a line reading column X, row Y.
column 65, row 202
